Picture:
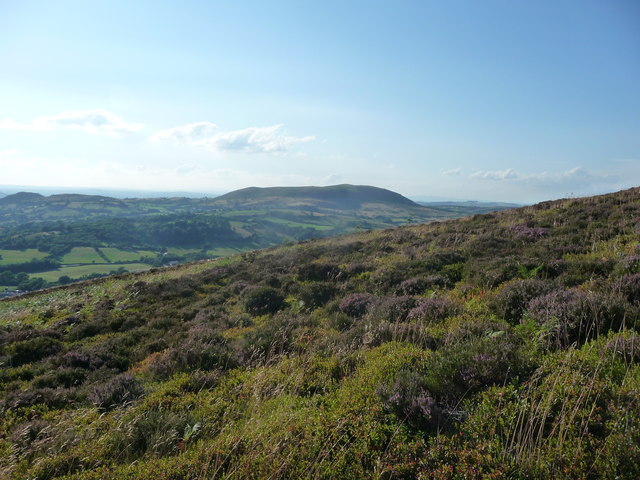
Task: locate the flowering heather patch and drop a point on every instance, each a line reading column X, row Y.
column 356, row 304
column 410, row 401
column 521, row 360
column 629, row 286
column 116, row 391
column 434, row 309
column 528, row 233
column 576, row 316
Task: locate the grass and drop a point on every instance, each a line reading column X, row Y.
column 82, row 255
column 117, row 255
column 20, row 256
column 224, row 251
column 79, row 271
column 291, row 223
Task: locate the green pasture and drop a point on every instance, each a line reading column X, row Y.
column 82, row 270
column 117, row 255
column 225, row 251
column 82, row 255
column 182, row 251
column 20, row 256
column 292, row 223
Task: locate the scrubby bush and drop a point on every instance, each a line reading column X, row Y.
column 267, row 341
column 513, row 298
column 412, row 286
column 434, row 309
column 203, row 349
column 61, row 377
column 263, row 300
column 625, row 346
column 393, row 309
column 463, row 368
column 51, row 397
column 629, row 287
column 117, row 391
column 408, row 398
column 575, row 316
column 356, row 304
column 155, row 432
column 34, row 349
column 316, row 294
column 318, row 272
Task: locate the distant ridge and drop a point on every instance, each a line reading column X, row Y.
column 340, row 197
column 21, row 197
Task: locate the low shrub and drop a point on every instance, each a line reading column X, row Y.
column 34, row 349
column 263, row 300
column 356, row 304
column 51, row 397
column 393, row 309
column 316, row 294
column 575, row 316
column 434, row 309
column 117, row 391
column 513, row 298
column 629, row 287
column 408, row 398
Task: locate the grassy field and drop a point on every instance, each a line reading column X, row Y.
column 224, row 251
column 292, row 223
column 117, row 255
column 81, row 270
column 82, row 255
column 20, row 256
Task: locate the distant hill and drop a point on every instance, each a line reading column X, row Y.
column 21, row 198
column 72, row 236
column 339, row 197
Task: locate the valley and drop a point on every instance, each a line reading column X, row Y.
column 42, row 237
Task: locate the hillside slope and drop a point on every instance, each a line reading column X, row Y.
column 502, row 345
column 64, row 237
column 340, row 197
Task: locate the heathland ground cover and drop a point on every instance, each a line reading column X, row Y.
column 503, row 345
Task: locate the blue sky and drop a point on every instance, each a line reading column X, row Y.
column 491, row 100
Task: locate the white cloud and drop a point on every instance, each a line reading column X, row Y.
column 574, row 175
column 508, row 174
column 192, row 133
column 453, row 172
column 249, row 140
column 93, row 121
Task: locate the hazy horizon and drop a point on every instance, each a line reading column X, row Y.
column 490, row 101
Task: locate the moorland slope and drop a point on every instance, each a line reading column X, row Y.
column 502, row 345
column 65, row 237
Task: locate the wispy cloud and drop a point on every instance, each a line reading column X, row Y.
column 192, row 133
column 248, row 140
column 454, row 172
column 575, row 174
column 93, row 121
column 508, row 174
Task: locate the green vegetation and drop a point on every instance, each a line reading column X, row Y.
column 86, row 271
column 504, row 345
column 83, row 255
column 117, row 255
column 9, row 257
column 40, row 234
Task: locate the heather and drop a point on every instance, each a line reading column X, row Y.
column 503, row 345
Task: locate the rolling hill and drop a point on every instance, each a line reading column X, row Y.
column 336, row 197
column 157, row 231
column 502, row 345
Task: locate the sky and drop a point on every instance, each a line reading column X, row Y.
column 474, row 100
